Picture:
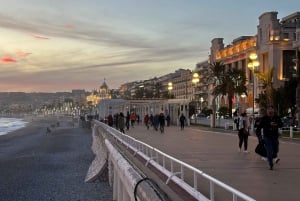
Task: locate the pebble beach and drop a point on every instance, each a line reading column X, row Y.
column 40, row 166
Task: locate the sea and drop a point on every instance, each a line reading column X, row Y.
column 10, row 124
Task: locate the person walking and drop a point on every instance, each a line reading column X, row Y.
column 270, row 124
column 132, row 119
column 127, row 120
column 121, row 122
column 146, row 121
column 162, row 120
column 156, row 122
column 168, row 118
column 236, row 119
column 243, row 132
column 260, row 148
column 182, row 121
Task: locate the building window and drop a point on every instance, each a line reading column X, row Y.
column 286, row 37
column 287, row 63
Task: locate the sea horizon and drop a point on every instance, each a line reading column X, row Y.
column 9, row 124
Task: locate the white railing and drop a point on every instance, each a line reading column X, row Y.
column 292, row 130
column 183, row 174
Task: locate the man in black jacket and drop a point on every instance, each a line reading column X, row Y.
column 270, row 123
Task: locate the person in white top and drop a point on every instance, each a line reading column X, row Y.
column 243, row 132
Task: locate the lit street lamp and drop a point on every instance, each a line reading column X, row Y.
column 195, row 80
column 170, row 87
column 252, row 65
column 201, row 101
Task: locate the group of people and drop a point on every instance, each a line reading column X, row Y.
column 157, row 121
column 121, row 121
column 267, row 131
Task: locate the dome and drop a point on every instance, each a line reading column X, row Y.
column 104, row 85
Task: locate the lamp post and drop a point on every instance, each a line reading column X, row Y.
column 252, row 65
column 195, row 80
column 170, row 87
column 201, row 101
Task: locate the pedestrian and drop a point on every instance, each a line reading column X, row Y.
column 116, row 120
column 161, row 120
column 236, row 119
column 156, row 122
column 132, row 119
column 138, row 119
column 110, row 120
column 270, row 124
column 182, row 121
column 243, row 132
column 121, row 122
column 151, row 119
column 168, row 120
column 258, row 131
column 260, row 148
column 146, row 121
column 127, row 120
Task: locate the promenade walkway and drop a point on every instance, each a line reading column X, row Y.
column 215, row 152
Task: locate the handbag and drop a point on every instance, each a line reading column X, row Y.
column 261, row 150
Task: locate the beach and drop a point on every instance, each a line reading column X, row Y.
column 40, row 166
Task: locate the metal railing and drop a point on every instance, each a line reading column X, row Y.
column 183, row 174
column 292, row 130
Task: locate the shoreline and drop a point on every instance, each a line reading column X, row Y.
column 37, row 123
column 40, row 166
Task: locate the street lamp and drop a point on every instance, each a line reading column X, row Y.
column 195, row 80
column 252, row 65
column 170, row 87
column 201, row 101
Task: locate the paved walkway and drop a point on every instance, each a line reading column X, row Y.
column 215, row 152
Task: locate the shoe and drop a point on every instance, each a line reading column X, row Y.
column 271, row 167
column 276, row 160
column 239, row 149
column 246, row 152
column 263, row 158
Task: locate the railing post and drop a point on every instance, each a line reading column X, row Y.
column 291, row 132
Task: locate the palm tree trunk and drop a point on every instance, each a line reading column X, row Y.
column 214, row 108
column 230, row 105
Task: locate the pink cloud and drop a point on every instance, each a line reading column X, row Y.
column 68, row 26
column 21, row 53
column 40, row 37
column 8, row 59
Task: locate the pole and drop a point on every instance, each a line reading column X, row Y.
column 252, row 123
column 253, row 94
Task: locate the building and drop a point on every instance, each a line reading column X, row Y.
column 275, row 45
column 104, row 91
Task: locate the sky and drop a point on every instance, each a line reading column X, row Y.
column 60, row 45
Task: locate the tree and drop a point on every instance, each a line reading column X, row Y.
column 230, row 82
column 266, row 79
column 216, row 70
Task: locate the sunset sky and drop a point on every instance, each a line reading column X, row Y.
column 60, row 45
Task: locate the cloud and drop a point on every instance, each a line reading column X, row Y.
column 69, row 26
column 39, row 37
column 20, row 53
column 8, row 59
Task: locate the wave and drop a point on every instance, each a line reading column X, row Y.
column 11, row 124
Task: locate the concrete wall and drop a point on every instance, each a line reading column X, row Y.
column 122, row 176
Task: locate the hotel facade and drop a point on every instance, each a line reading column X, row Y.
column 275, row 45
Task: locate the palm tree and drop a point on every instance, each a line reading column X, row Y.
column 216, row 70
column 230, row 82
column 266, row 79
